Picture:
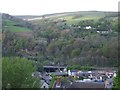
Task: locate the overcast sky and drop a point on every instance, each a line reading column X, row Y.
column 40, row 7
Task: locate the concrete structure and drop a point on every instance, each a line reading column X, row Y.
column 54, row 68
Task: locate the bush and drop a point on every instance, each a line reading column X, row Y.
column 77, row 67
column 52, row 81
column 17, row 73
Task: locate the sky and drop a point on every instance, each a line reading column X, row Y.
column 41, row 7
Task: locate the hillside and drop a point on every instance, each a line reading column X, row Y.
column 77, row 15
column 71, row 38
column 16, row 25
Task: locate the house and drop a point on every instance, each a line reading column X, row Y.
column 60, row 73
column 114, row 75
column 44, row 84
column 58, row 83
column 108, row 83
column 84, row 85
column 87, row 80
column 46, row 78
column 73, row 72
column 103, row 32
column 36, row 74
column 88, row 27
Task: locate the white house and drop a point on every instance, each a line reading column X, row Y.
column 69, row 73
column 114, row 75
column 88, row 27
column 72, row 72
column 87, row 80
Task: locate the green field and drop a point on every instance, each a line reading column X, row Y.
column 18, row 29
column 70, row 19
column 10, row 25
column 73, row 17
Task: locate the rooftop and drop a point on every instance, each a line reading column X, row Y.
column 85, row 85
column 54, row 67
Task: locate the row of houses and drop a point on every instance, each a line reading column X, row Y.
column 95, row 77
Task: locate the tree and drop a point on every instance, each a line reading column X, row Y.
column 75, row 52
column 116, row 82
column 17, row 73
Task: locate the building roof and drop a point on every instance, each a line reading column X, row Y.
column 54, row 67
column 74, row 70
column 85, row 85
column 59, row 73
column 46, row 78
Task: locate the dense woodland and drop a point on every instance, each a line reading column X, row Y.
column 57, row 42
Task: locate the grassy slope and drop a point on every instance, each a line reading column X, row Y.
column 70, row 19
column 70, row 16
column 18, row 29
column 10, row 25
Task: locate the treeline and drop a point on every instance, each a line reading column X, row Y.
column 78, row 67
column 13, row 45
